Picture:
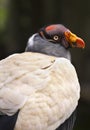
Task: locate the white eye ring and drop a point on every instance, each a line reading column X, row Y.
column 55, row 37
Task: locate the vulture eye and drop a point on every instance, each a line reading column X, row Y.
column 56, row 38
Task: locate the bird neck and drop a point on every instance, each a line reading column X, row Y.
column 40, row 45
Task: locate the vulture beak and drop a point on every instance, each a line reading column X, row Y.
column 74, row 40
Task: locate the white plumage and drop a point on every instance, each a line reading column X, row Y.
column 44, row 88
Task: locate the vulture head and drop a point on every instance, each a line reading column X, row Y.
column 54, row 40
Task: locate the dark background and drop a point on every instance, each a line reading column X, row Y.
column 19, row 19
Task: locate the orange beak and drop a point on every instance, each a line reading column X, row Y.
column 74, row 40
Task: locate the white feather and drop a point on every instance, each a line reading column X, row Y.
column 44, row 88
column 31, row 41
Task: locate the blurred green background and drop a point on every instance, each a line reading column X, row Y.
column 19, row 19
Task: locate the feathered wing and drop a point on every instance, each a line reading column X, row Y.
column 69, row 123
column 44, row 88
column 8, row 122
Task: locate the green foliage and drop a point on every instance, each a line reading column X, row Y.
column 3, row 14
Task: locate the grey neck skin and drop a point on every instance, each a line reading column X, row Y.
column 37, row 44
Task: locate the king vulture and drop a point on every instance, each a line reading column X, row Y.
column 39, row 89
